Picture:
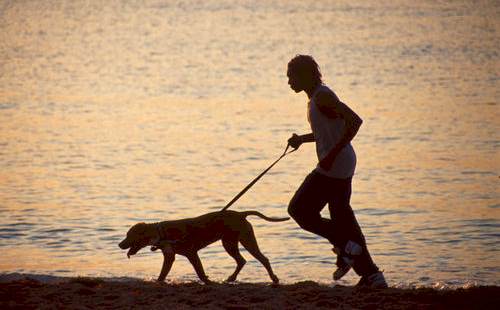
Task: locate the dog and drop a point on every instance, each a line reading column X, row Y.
column 187, row 236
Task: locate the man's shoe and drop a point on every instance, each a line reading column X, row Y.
column 343, row 269
column 344, row 264
column 352, row 248
column 375, row 280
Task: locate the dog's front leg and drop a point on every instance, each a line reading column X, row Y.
column 168, row 260
column 194, row 259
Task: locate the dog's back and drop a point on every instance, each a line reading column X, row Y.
column 200, row 231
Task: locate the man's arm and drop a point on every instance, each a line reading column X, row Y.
column 295, row 141
column 329, row 104
column 308, row 137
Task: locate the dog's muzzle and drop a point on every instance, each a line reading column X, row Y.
column 124, row 245
column 133, row 249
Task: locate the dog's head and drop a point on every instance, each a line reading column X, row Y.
column 138, row 237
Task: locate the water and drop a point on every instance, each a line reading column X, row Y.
column 119, row 112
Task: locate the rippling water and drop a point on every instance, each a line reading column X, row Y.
column 122, row 112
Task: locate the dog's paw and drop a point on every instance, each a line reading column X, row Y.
column 208, row 282
column 160, row 280
column 230, row 279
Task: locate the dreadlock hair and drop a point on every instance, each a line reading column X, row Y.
column 306, row 67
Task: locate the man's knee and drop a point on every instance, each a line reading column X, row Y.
column 294, row 211
column 301, row 217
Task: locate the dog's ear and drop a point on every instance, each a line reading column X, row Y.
column 139, row 228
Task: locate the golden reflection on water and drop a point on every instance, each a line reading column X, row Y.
column 116, row 113
column 88, row 170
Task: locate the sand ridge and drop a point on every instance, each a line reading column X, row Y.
column 98, row 293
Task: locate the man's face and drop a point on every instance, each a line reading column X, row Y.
column 294, row 81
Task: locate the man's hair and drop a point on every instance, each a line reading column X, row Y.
column 306, row 67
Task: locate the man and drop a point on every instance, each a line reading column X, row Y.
column 333, row 126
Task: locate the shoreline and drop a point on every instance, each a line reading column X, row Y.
column 80, row 292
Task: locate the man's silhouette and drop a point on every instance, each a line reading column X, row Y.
column 333, row 126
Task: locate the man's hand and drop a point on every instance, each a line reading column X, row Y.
column 295, row 141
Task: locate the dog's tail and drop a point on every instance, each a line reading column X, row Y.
column 270, row 219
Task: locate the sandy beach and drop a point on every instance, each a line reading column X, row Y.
column 99, row 293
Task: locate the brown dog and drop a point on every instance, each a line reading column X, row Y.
column 187, row 236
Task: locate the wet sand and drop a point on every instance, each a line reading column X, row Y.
column 97, row 293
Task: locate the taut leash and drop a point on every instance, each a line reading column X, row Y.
column 257, row 178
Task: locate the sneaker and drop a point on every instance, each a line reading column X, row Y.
column 344, row 264
column 343, row 269
column 352, row 248
column 375, row 280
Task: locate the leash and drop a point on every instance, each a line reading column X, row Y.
column 257, row 178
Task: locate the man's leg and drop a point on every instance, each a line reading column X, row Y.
column 346, row 227
column 307, row 203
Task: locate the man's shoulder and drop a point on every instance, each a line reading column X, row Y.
column 327, row 102
column 326, row 97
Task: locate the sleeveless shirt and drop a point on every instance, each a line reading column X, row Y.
column 327, row 133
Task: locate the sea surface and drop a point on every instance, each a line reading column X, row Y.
column 117, row 112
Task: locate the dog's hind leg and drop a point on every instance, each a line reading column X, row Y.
column 247, row 239
column 231, row 247
column 194, row 259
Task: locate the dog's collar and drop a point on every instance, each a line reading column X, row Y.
column 161, row 234
column 161, row 242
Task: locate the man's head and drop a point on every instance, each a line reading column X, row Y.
column 303, row 73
